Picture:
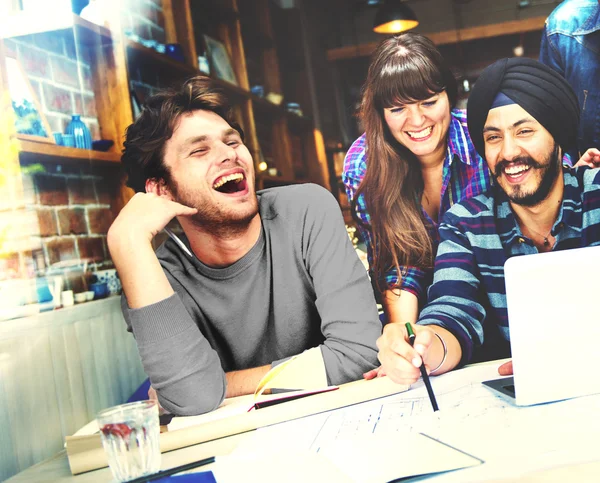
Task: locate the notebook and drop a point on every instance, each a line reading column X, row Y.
column 554, row 323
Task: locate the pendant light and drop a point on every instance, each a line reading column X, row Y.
column 394, row 17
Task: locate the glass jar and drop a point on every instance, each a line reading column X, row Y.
column 81, row 133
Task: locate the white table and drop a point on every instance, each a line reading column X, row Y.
column 492, row 434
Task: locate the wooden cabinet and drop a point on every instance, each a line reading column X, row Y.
column 97, row 43
column 103, row 71
column 284, row 144
column 246, row 29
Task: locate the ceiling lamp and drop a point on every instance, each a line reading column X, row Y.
column 394, row 17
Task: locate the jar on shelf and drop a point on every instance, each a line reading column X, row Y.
column 294, row 108
column 81, row 133
column 258, row 90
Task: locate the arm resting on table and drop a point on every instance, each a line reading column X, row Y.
column 344, row 296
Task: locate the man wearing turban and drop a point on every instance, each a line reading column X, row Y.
column 522, row 117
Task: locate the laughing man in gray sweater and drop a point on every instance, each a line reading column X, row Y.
column 257, row 278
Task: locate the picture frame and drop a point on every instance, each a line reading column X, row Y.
column 137, row 102
column 139, row 94
column 135, row 105
column 30, row 122
column 220, row 63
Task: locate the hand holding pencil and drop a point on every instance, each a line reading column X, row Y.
column 411, row 340
column 400, row 361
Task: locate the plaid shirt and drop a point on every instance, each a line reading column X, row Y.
column 477, row 236
column 464, row 175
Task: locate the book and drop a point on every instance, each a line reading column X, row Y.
column 305, row 373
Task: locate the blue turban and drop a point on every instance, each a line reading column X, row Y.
column 538, row 89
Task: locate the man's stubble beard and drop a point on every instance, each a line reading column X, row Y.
column 221, row 221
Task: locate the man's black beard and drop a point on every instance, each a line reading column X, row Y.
column 550, row 171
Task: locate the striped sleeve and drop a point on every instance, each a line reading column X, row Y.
column 590, row 178
column 452, row 298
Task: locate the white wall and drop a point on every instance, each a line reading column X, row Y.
column 57, row 370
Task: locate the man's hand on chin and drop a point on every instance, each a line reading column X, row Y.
column 129, row 242
column 145, row 215
column 506, row 369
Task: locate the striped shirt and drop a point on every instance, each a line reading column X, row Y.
column 464, row 175
column 477, row 236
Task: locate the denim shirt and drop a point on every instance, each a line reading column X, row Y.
column 571, row 46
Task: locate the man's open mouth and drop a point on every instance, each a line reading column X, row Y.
column 515, row 171
column 231, row 183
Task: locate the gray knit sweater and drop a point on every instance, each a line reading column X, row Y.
column 300, row 286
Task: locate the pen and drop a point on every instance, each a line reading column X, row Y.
column 179, row 243
column 172, row 471
column 411, row 340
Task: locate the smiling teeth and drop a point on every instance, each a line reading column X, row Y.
column 421, row 134
column 225, row 179
column 515, row 170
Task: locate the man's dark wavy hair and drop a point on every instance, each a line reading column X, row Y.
column 145, row 139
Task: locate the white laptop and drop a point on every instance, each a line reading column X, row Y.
column 553, row 302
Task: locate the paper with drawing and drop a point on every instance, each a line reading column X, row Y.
column 471, row 418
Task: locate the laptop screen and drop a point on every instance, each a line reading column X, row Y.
column 554, row 323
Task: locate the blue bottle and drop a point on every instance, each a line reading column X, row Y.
column 80, row 132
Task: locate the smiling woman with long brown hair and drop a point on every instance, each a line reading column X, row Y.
column 414, row 161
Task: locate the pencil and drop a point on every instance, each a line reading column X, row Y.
column 424, row 375
column 172, row 471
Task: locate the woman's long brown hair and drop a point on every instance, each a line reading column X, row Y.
column 405, row 68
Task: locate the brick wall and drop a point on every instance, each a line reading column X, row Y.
column 60, row 76
column 144, row 18
column 65, row 216
column 51, row 223
column 73, row 212
column 60, row 73
column 57, row 213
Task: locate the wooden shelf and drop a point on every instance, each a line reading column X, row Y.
column 262, row 105
column 298, row 123
column 262, row 48
column 89, row 32
column 140, row 53
column 449, row 36
column 46, row 152
column 214, row 12
column 25, row 23
column 232, row 90
column 238, row 24
column 260, row 41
